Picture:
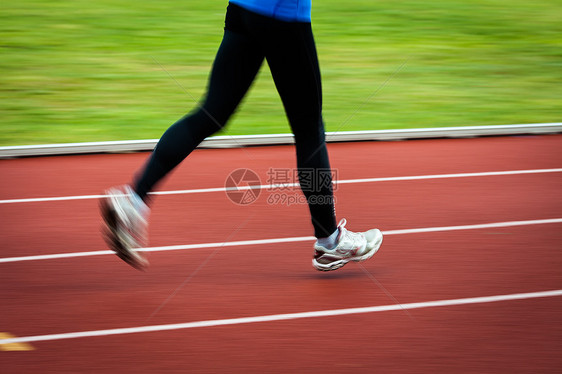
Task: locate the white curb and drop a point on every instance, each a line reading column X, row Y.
column 234, row 141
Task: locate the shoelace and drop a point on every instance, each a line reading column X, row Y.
column 355, row 238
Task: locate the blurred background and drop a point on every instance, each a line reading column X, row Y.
column 76, row 70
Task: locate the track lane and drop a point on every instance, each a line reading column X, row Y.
column 91, row 174
column 180, row 219
column 515, row 336
column 440, row 265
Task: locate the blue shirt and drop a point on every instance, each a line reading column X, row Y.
column 284, row 10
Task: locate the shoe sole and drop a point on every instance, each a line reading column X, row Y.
column 374, row 246
column 114, row 241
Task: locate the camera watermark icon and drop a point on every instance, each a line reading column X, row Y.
column 243, row 186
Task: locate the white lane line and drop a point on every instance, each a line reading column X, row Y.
column 282, row 240
column 284, row 317
column 274, row 186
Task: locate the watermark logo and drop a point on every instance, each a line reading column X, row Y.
column 243, row 186
column 284, row 185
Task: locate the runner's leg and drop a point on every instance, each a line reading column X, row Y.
column 291, row 54
column 237, row 62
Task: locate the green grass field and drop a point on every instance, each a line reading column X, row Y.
column 73, row 71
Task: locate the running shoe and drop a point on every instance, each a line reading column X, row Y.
column 350, row 246
column 126, row 220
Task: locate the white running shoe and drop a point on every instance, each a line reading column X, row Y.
column 350, row 246
column 126, row 221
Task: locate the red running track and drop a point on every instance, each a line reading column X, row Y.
column 76, row 294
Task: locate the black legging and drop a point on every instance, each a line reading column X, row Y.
column 291, row 54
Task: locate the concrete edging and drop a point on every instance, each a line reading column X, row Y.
column 235, row 141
